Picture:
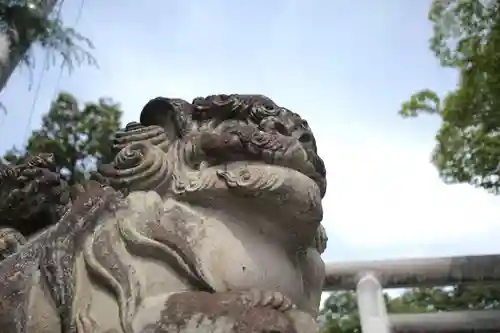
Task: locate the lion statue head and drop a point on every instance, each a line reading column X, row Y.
column 220, row 149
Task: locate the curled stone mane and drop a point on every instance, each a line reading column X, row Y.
column 223, row 107
column 138, row 166
column 135, row 132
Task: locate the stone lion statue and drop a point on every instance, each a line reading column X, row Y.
column 207, row 220
column 32, row 194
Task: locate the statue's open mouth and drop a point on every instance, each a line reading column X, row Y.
column 246, row 143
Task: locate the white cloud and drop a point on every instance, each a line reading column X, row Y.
column 386, row 193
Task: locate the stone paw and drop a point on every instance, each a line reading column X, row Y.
column 268, row 298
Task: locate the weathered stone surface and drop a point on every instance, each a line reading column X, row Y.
column 40, row 277
column 11, row 241
column 243, row 312
column 32, row 194
column 219, row 230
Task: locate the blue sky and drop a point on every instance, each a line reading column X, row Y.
column 344, row 66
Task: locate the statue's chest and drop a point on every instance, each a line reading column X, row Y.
column 233, row 258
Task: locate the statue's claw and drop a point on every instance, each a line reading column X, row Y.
column 267, row 298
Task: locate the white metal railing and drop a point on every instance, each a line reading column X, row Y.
column 369, row 279
column 371, row 304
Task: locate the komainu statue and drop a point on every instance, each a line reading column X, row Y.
column 208, row 220
column 33, row 196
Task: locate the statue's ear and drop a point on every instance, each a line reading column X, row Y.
column 174, row 115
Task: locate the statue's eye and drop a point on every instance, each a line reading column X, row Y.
column 306, row 137
column 268, row 106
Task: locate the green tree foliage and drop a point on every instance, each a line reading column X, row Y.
column 26, row 22
column 77, row 136
column 466, row 37
column 340, row 311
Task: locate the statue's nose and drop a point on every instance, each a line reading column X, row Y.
column 281, row 128
column 274, row 124
column 302, row 134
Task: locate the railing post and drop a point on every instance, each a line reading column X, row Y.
column 371, row 304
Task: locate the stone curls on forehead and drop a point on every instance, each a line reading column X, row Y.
column 237, row 118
